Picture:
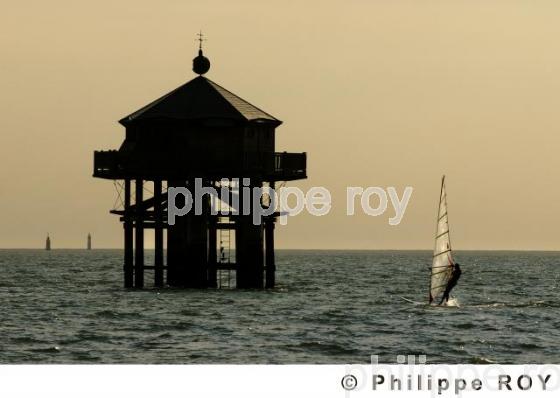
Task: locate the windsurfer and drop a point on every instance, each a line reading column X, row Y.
column 455, row 275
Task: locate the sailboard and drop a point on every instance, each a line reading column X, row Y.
column 442, row 261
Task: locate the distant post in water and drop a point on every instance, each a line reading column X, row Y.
column 198, row 132
column 89, row 241
column 48, row 243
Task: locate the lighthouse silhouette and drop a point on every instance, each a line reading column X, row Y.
column 199, row 131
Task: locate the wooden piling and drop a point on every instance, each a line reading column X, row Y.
column 158, row 235
column 196, row 244
column 249, row 246
column 212, row 250
column 269, row 254
column 139, row 235
column 176, row 238
column 128, row 242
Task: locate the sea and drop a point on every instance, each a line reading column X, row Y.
column 329, row 307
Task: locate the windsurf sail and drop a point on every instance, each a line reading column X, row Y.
column 443, row 258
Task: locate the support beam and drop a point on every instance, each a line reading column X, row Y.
column 176, row 242
column 249, row 246
column 139, row 235
column 158, row 235
column 128, row 241
column 212, row 252
column 196, row 243
column 269, row 254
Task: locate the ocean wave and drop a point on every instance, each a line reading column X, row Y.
column 47, row 350
column 326, row 348
column 479, row 360
column 538, row 303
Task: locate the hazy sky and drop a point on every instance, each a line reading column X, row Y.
column 379, row 93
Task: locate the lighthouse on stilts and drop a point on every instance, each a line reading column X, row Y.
column 198, row 132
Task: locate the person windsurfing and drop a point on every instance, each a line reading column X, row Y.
column 445, row 272
column 455, row 275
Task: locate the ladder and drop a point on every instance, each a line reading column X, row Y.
column 224, row 257
column 226, row 243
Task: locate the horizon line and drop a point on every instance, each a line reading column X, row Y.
column 300, row 249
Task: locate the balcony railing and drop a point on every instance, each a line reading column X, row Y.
column 290, row 166
column 106, row 164
column 279, row 166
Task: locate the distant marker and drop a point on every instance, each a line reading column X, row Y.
column 48, row 244
column 89, row 241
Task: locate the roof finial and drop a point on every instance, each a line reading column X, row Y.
column 200, row 40
column 201, row 64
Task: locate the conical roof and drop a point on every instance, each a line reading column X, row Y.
column 200, row 98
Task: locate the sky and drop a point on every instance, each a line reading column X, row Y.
column 377, row 92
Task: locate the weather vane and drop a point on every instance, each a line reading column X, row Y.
column 201, row 64
column 200, row 39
